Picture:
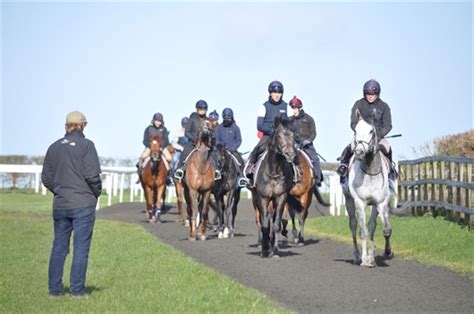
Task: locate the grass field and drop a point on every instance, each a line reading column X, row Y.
column 129, row 270
column 433, row 241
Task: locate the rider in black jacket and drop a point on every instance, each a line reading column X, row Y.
column 370, row 107
column 305, row 133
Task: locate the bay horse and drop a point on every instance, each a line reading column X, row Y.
column 153, row 180
column 227, row 192
column 300, row 198
column 273, row 181
column 199, row 181
column 368, row 184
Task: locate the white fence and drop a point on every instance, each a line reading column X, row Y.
column 116, row 178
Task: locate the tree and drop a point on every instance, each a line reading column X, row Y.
column 460, row 145
column 14, row 178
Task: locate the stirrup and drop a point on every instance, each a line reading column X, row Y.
column 217, row 174
column 243, row 182
column 342, row 170
column 179, row 174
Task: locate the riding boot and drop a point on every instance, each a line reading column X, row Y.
column 180, row 167
column 344, row 161
column 393, row 174
column 139, row 171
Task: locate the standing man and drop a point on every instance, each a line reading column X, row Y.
column 71, row 171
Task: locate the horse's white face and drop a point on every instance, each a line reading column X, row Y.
column 155, row 149
column 364, row 139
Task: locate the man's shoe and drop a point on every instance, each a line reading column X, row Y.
column 342, row 170
column 179, row 174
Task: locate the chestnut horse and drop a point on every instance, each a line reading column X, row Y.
column 199, row 181
column 153, row 180
column 300, row 197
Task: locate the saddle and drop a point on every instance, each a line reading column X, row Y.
column 167, row 165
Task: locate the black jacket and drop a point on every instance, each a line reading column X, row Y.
column 265, row 123
column 152, row 131
column 379, row 111
column 71, row 171
column 304, row 128
column 191, row 129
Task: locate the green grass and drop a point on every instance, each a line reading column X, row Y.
column 432, row 241
column 129, row 271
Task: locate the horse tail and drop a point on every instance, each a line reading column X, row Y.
column 320, row 199
column 294, row 203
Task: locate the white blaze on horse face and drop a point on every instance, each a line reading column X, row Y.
column 363, row 136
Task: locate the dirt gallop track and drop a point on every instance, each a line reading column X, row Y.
column 317, row 277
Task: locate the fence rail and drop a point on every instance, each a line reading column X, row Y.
column 437, row 184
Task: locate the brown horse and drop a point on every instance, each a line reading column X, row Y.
column 199, row 181
column 300, row 197
column 153, row 180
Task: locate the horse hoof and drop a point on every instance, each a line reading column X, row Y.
column 221, row 235
column 357, row 262
column 226, row 233
column 389, row 255
column 284, row 233
column 192, row 239
column 186, row 223
column 203, row 238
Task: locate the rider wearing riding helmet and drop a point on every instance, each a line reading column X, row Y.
column 267, row 112
column 156, row 128
column 370, row 107
column 305, row 133
column 191, row 131
column 179, row 141
column 228, row 134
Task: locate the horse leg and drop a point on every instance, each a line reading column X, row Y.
column 264, row 222
column 192, row 205
column 235, row 201
column 149, row 202
column 305, row 201
column 160, row 193
column 205, row 213
column 372, row 227
column 228, row 208
column 284, row 221
column 279, row 204
column 387, row 232
column 257, row 220
column 360, row 205
column 179, row 200
column 350, row 207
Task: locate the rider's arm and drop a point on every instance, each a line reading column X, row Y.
column 165, row 140
column 311, row 129
column 386, row 122
column 189, row 130
column 354, row 117
column 237, row 139
column 260, row 125
column 145, row 138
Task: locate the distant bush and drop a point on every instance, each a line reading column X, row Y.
column 461, row 145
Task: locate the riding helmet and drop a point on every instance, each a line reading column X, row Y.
column 213, row 116
column 372, row 87
column 295, row 102
column 158, row 117
column 227, row 112
column 201, row 104
column 184, row 121
column 275, row 87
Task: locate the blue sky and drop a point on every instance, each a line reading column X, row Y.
column 119, row 63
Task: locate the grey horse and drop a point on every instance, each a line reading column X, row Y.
column 368, row 184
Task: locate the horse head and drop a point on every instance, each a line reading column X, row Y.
column 283, row 142
column 205, row 134
column 365, row 139
column 155, row 148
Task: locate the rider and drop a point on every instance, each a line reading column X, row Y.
column 371, row 106
column 156, row 128
column 267, row 112
column 228, row 134
column 191, row 131
column 305, row 133
column 179, row 141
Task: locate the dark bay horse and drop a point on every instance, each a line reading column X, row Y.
column 199, row 181
column 153, row 180
column 226, row 192
column 273, row 181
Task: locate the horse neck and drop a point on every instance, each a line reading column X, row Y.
column 274, row 161
column 372, row 163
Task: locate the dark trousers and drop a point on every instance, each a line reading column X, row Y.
column 259, row 149
column 81, row 221
column 311, row 151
